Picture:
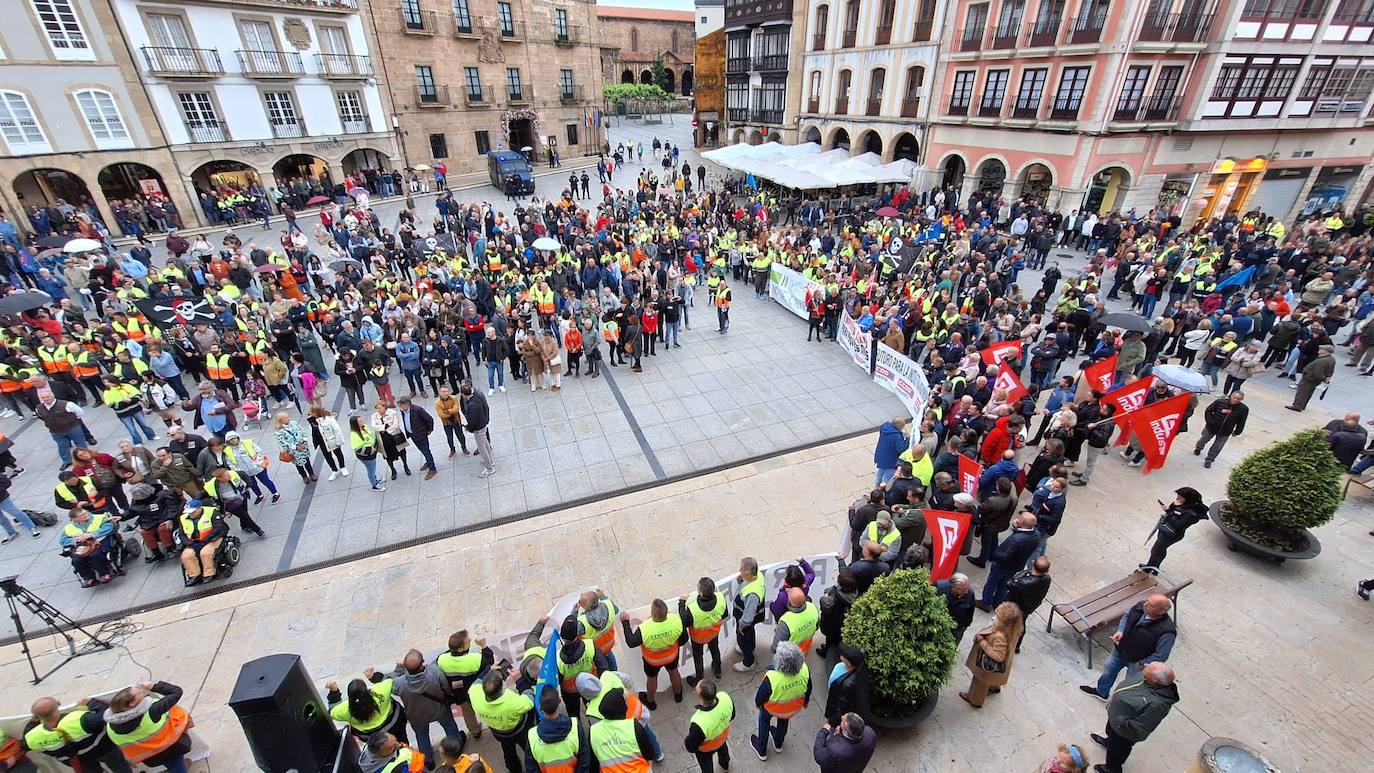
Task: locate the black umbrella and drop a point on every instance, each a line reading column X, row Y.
column 1125, row 320
column 16, row 303
column 343, row 264
column 53, row 241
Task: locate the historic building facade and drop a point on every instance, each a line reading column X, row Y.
column 763, row 58
column 464, row 77
column 632, row 39
column 74, row 126
column 866, row 74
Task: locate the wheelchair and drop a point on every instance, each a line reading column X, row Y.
column 227, row 556
column 120, row 550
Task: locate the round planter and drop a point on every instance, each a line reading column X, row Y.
column 1227, row 754
column 1241, row 543
column 905, row 721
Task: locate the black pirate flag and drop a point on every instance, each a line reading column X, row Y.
column 182, row 311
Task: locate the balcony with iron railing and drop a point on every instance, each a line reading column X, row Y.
column 519, row 94
column 177, row 62
column 813, row 105
column 1151, row 109
column 818, row 41
column 508, row 29
column 433, row 96
column 478, row 95
column 737, row 113
column 772, row 62
column 1044, row 32
column 1025, row 109
column 466, row 27
column 1087, row 28
column 874, row 106
column 911, row 107
column 208, row 130
column 346, row 66
column 924, row 29
column 970, row 39
column 988, row 109
column 1005, row 36
column 421, row 23
column 270, row 64
column 842, row 106
column 884, row 35
column 957, row 108
column 1064, row 113
column 567, row 34
column 765, row 116
column 1192, row 27
column 739, row 64
column 288, row 130
column 851, row 37
column 361, row 125
column 571, row 93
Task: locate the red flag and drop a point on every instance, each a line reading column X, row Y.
column 1155, row 426
column 1006, row 379
column 947, row 533
column 969, row 473
column 1127, row 400
column 1002, row 350
column 1101, row 375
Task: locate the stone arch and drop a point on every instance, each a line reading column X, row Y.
column 1107, row 188
column 303, row 165
column 870, row 142
column 669, row 80
column 904, row 146
column 1035, row 179
column 773, row 136
column 627, row 76
column 737, row 136
column 953, row 167
column 127, row 179
column 839, row 138
column 45, row 185
column 645, row 76
column 811, row 134
column 687, row 83
column 991, row 174
column 365, row 158
column 755, row 137
column 222, row 175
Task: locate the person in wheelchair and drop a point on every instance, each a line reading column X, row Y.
column 88, row 540
column 227, row 489
column 200, row 532
column 73, row 491
column 154, row 508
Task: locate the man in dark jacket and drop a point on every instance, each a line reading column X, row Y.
column 87, row 743
column 1009, row 557
column 959, row 598
column 1346, row 437
column 554, row 727
column 844, row 749
column 861, row 514
column 1146, row 634
column 1226, row 417
column 478, row 415
column 154, row 508
column 1028, row 588
column 870, row 567
column 418, row 424
column 426, row 692
column 1134, row 712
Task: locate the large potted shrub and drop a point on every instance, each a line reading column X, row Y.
column 904, row 630
column 1277, row 494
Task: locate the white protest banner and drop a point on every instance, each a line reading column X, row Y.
column 856, row 341
column 790, row 289
column 901, row 376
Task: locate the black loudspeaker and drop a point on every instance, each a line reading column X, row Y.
column 286, row 723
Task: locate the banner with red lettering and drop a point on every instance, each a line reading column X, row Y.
column 1156, row 425
column 1101, row 375
column 1006, row 379
column 1127, row 400
column 969, row 473
column 947, row 531
column 1002, row 350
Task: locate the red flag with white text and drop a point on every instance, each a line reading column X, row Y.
column 1156, row 425
column 1001, row 350
column 1127, row 400
column 969, row 473
column 1101, row 375
column 1006, row 379
column 947, row 531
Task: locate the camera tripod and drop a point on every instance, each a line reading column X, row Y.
column 57, row 622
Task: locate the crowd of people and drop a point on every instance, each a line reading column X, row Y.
column 429, row 307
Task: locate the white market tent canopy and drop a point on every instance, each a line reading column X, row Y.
column 806, row 167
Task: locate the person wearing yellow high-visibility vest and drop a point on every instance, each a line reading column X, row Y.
column 508, row 713
column 619, row 744
column 659, row 639
column 784, row 691
column 464, row 666
column 708, row 731
column 369, row 706
column 596, row 621
column 79, row 735
column 384, row 754
column 748, row 611
column 799, row 623
column 558, row 744
column 148, row 726
column 703, row 614
column 575, row 656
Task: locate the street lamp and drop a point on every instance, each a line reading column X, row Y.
column 405, row 159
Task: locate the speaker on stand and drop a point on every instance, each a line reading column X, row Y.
column 286, row 722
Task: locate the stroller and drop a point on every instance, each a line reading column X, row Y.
column 254, row 413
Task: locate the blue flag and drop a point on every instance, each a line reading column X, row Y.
column 1238, row 279
column 750, row 181
column 548, row 672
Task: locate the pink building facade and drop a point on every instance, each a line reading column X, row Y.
column 1181, row 105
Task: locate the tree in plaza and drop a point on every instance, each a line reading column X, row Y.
column 1283, row 489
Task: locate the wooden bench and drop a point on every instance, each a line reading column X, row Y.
column 1108, row 604
column 1365, row 479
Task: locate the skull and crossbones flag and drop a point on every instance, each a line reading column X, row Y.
column 182, row 311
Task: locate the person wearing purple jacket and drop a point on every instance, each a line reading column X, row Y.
column 800, row 575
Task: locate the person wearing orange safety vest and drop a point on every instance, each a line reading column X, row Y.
column 799, row 622
column 618, row 743
column 703, row 614
column 257, row 351
column 558, row 744
column 146, row 723
column 575, row 656
column 86, row 369
column 659, row 639
column 543, row 299
column 783, row 693
column 129, row 327
column 708, row 733
column 384, row 754
column 596, row 621
column 219, row 370
column 721, row 299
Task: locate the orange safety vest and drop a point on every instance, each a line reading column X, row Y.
column 132, row 331
column 493, row 261
column 85, row 370
column 219, row 371
column 55, row 361
column 176, row 724
column 257, row 352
